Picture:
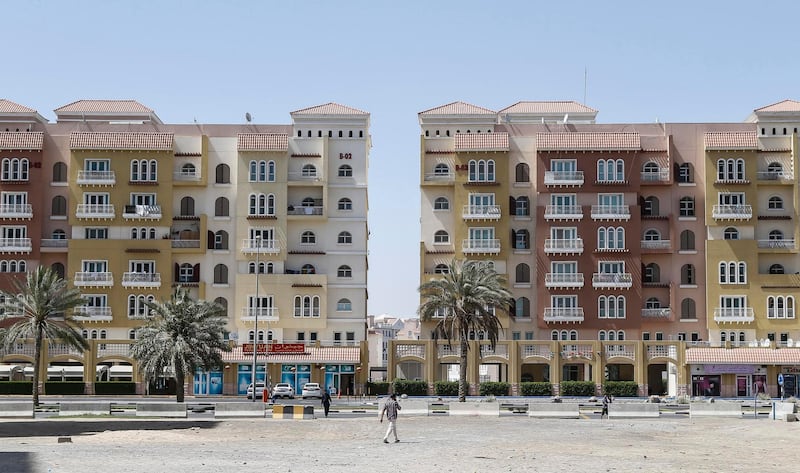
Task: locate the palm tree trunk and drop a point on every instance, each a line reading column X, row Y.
column 463, row 388
column 37, row 360
column 179, row 380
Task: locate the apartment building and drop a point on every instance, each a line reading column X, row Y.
column 269, row 221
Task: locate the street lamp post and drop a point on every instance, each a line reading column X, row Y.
column 255, row 328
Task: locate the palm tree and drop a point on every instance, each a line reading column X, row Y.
column 463, row 301
column 182, row 335
column 37, row 308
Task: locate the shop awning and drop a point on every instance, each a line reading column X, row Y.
column 747, row 356
column 333, row 355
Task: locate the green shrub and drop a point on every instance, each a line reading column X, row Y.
column 410, row 388
column 16, row 387
column 578, row 388
column 115, row 387
column 536, row 389
column 492, row 388
column 64, row 387
column 446, row 388
column 621, row 388
column 378, row 388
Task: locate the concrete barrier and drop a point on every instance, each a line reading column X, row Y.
column 781, row 409
column 715, row 409
column 17, row 409
column 632, row 409
column 475, row 409
column 408, row 407
column 558, row 410
column 281, row 411
column 239, row 409
column 83, row 408
column 160, row 409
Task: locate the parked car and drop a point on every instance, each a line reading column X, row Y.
column 259, row 390
column 283, row 390
column 312, row 390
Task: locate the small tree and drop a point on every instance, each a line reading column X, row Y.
column 182, row 335
column 38, row 308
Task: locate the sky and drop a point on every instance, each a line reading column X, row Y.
column 634, row 61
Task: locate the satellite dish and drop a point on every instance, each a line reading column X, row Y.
column 248, row 117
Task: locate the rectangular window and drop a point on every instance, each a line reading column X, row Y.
column 645, row 336
column 695, row 337
column 301, row 336
column 564, row 302
column 312, row 336
column 516, row 336
column 564, row 267
column 94, row 266
column 563, row 233
column 528, row 335
column 659, row 336
column 563, row 199
column 731, row 198
column 351, row 336
column 96, row 233
column 96, row 198
column 564, row 165
column 142, row 266
column 337, row 338
column 682, row 336
column 97, row 165
column 611, row 267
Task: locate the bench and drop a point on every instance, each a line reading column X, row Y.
column 633, row 409
column 554, row 409
column 160, row 409
column 239, row 409
column 83, row 408
column 17, row 409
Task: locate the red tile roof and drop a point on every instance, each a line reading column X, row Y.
column 588, row 141
column 32, row 140
column 7, row 106
column 150, row 141
column 312, row 355
column 104, row 106
column 262, row 141
column 330, row 108
column 458, row 108
column 747, row 356
column 782, row 106
column 481, row 142
column 548, row 107
column 731, row 140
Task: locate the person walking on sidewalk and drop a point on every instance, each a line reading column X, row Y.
column 606, row 400
column 390, row 408
column 326, row 401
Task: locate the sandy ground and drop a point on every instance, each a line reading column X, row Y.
column 428, row 444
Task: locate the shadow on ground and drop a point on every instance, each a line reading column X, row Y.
column 66, row 428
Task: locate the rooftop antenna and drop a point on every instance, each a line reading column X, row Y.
column 248, row 117
column 585, row 82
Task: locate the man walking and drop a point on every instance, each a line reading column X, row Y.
column 326, row 401
column 606, row 400
column 390, row 408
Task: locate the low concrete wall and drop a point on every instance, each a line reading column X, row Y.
column 83, row 408
column 160, row 409
column 715, row 409
column 781, row 409
column 239, row 409
column 21, row 409
column 475, row 409
column 281, row 411
column 554, row 409
column 632, row 409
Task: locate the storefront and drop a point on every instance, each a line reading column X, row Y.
column 743, row 372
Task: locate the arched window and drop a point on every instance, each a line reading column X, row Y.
column 522, row 206
column 554, row 335
column 344, row 305
column 686, row 207
column 611, row 307
column 730, row 233
column 652, row 303
column 776, row 269
column 345, row 204
column 687, row 240
column 775, row 235
column 652, row 235
column 651, row 172
column 774, row 171
column 650, row 206
column 441, row 170
column 441, row 203
column 481, row 170
column 188, row 170
column 344, row 238
column 221, row 240
column 775, row 203
column 308, row 170
column 652, row 273
column 344, row 271
column 610, row 238
column 222, row 207
column 685, row 173
column 59, row 172
column 441, row 268
column 441, row 237
column 308, row 269
column 223, row 174
column 308, row 238
column 220, row 274
column 185, row 273
column 522, row 307
column 58, row 234
column 522, row 173
column 688, row 309
column 345, row 170
column 780, row 307
column 187, row 206
column 59, row 206
column 522, row 240
column 58, row 268
column 222, row 302
column 688, row 276
column 523, row 273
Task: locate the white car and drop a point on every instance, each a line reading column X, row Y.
column 283, row 390
column 259, row 390
column 312, row 390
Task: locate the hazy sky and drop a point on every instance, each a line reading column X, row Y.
column 676, row 61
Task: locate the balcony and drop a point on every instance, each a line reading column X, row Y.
column 305, row 176
column 732, row 212
column 96, row 178
column 563, row 212
column 553, row 246
column 105, row 211
column 780, row 176
column 612, row 280
column 15, row 245
column 657, row 313
column 611, row 212
column 93, row 313
column 733, row 315
column 655, row 177
column 656, row 244
column 142, row 212
column 134, row 279
column 563, row 280
column 439, row 177
column 93, row 279
column 260, row 246
column 266, row 314
column 186, row 175
column 563, row 178
column 305, row 210
column 53, row 245
column 777, row 244
column 482, row 246
column 16, row 211
column 563, row 314
column 485, row 212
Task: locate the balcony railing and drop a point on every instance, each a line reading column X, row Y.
column 732, row 212
column 134, row 279
column 491, row 245
column 304, row 210
column 92, row 313
column 734, row 314
column 777, row 244
column 97, row 178
column 563, row 246
column 193, row 175
column 656, row 244
column 439, row 177
column 16, row 211
column 16, row 245
column 95, row 211
column 185, row 243
column 611, row 212
column 612, row 280
column 93, row 279
column 264, row 313
column 563, row 212
column 775, row 176
column 54, row 243
column 260, row 246
column 563, row 280
column 142, row 211
column 563, row 314
column 658, row 313
column 305, row 176
column 481, row 211
column 563, row 178
column 662, row 175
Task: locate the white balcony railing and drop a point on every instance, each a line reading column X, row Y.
column 54, row 243
column 142, row 211
column 260, row 246
column 563, row 212
column 732, row 212
column 481, row 211
column 658, row 313
column 193, row 175
column 85, row 312
column 734, row 314
column 563, row 178
column 563, row 280
column 16, row 245
column 778, row 244
column 563, row 246
column 134, row 279
column 439, row 177
column 775, row 176
column 95, row 211
column 491, row 245
column 16, row 211
column 656, row 244
column 611, row 212
column 264, row 313
column 662, row 175
column 563, row 314
column 97, row 178
column 613, row 280
column 305, row 176
column 93, row 279
column 304, row 210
